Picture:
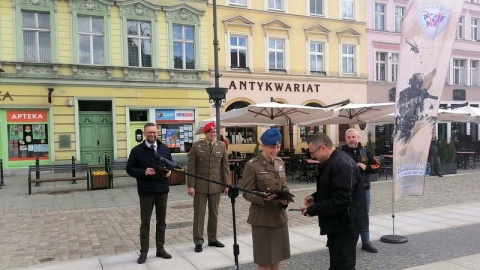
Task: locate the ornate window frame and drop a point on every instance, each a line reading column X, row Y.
column 97, row 8
column 184, row 15
column 142, row 11
column 49, row 6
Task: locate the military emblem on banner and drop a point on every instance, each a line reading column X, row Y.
column 433, row 19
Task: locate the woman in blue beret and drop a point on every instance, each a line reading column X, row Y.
column 267, row 216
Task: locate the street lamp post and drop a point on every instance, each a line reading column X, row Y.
column 216, row 94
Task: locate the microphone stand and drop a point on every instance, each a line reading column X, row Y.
column 233, row 191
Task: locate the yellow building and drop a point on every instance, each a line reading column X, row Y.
column 79, row 78
column 297, row 52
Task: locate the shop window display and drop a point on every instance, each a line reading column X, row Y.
column 178, row 137
column 27, row 141
column 241, row 135
column 305, row 132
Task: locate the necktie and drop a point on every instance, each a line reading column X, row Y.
column 210, row 147
column 153, row 148
column 272, row 162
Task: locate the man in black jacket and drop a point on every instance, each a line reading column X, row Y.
column 152, row 190
column 339, row 201
column 367, row 164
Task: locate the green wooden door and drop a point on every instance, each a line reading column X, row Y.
column 96, row 140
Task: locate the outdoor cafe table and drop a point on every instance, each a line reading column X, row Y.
column 463, row 159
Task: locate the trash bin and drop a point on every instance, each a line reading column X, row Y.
column 99, row 180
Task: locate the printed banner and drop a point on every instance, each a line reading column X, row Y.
column 427, row 39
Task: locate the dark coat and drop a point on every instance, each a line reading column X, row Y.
column 339, row 201
column 141, row 157
column 434, row 148
column 371, row 162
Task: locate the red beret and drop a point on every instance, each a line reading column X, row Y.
column 208, row 127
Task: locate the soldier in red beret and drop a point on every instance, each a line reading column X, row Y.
column 208, row 159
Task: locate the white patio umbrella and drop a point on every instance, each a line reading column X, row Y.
column 474, row 113
column 443, row 116
column 354, row 114
column 201, row 124
column 273, row 113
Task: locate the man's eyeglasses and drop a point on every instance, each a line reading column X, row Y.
column 311, row 153
column 150, row 132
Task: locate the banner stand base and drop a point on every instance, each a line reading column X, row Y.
column 394, row 239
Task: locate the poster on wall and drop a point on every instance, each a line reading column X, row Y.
column 39, row 132
column 16, row 132
column 173, row 137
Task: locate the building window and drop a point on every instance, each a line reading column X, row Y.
column 379, row 16
column 139, row 39
column 238, row 2
column 316, row 57
column 474, row 29
column 399, row 15
column 348, row 9
column 473, row 73
column 238, row 52
column 316, row 7
column 458, row 72
column 36, row 36
column 184, row 46
column 275, row 4
column 91, row 40
column 380, row 66
column 394, row 67
column 348, row 59
column 459, row 34
column 276, row 54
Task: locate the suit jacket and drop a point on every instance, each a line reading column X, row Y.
column 260, row 175
column 213, row 166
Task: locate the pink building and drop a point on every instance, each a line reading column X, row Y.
column 384, row 26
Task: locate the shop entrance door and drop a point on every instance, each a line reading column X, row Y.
column 96, row 140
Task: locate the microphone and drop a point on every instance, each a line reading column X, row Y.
column 169, row 163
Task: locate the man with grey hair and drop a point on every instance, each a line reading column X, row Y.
column 367, row 164
column 339, row 201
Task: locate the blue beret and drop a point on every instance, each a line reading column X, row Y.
column 271, row 137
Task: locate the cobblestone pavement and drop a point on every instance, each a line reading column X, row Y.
column 423, row 248
column 84, row 224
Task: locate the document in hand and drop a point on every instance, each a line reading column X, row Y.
column 160, row 172
column 282, row 195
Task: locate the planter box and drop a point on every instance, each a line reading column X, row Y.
column 99, row 181
column 448, row 168
column 176, row 178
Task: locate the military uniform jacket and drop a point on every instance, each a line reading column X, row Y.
column 213, row 166
column 260, row 175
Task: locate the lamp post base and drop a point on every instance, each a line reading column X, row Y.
column 394, row 239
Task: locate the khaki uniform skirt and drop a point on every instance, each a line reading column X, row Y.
column 270, row 244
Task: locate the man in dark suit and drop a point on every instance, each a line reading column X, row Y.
column 152, row 190
column 208, row 159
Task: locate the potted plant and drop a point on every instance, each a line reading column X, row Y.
column 448, row 154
